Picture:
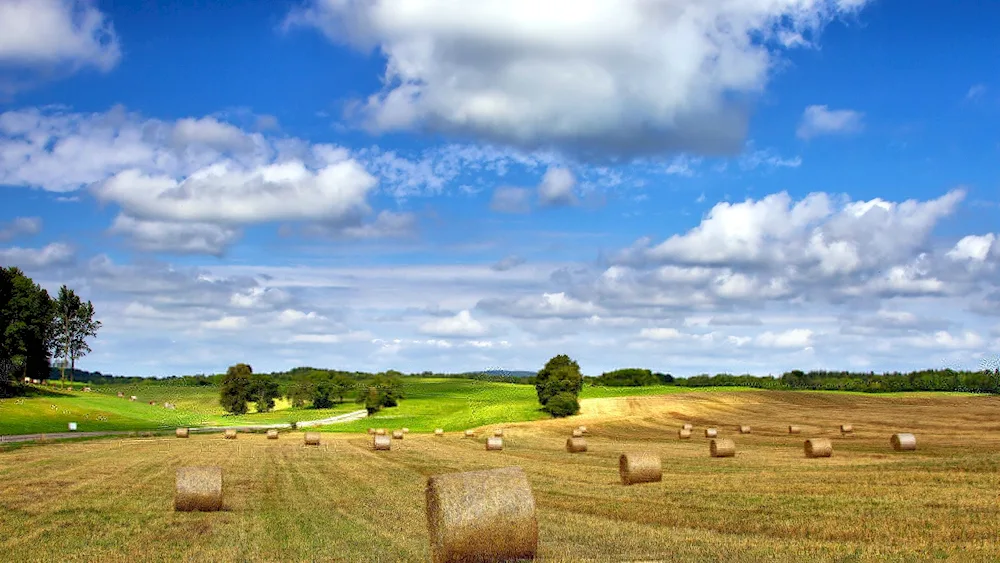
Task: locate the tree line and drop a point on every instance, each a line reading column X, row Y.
column 36, row 328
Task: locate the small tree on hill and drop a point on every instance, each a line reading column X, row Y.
column 236, row 389
column 560, row 375
column 263, row 391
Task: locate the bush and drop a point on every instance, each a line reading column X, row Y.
column 562, row 404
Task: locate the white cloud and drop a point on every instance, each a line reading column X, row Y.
column 47, row 32
column 53, row 254
column 976, row 91
column 642, row 75
column 556, row 188
column 226, row 323
column 162, row 236
column 821, row 120
column 20, row 226
column 461, row 325
column 660, row 333
column 795, row 338
column 974, row 248
column 507, row 263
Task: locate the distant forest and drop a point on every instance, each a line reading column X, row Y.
column 984, row 381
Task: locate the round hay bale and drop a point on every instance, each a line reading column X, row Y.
column 684, row 434
column 494, row 444
column 72, row 426
column 722, row 447
column 230, row 434
column 794, row 430
column 397, row 434
column 576, row 445
column 312, row 438
column 744, row 429
column 583, row 429
column 577, row 433
column 481, row 516
column 687, row 426
column 381, row 442
column 183, row 432
column 380, row 432
column 371, row 431
column 846, row 428
column 439, row 432
column 640, row 467
column 469, row 434
column 198, row 488
column 498, row 432
column 903, row 442
column 272, row 434
column 406, row 430
column 818, row 447
column 711, row 432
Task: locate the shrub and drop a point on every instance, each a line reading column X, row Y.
column 562, row 404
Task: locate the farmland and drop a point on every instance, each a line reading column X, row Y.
column 112, row 499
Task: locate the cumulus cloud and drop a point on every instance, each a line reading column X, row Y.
column 556, row 188
column 163, row 236
column 461, row 325
column 821, row 120
column 50, row 32
column 642, row 75
column 54, row 254
column 20, row 226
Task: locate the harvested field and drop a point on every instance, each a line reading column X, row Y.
column 770, row 503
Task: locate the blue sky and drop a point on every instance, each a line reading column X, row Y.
column 689, row 186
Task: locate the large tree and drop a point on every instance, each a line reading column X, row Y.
column 236, row 389
column 73, row 323
column 560, row 375
column 26, row 313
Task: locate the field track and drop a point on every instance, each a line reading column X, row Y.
column 111, row 500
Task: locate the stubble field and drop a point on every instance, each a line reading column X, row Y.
column 111, row 500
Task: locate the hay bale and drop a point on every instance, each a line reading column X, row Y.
column 846, row 429
column 397, row 434
column 272, row 434
column 577, row 433
column 381, row 442
column 312, row 438
column 818, row 447
column 687, row 426
column 230, row 434
column 380, row 431
column 498, row 432
column 640, row 467
column 198, row 488
column 722, row 447
column 182, row 432
column 744, row 429
column 576, row 445
column 439, row 432
column 72, row 426
column 583, row 429
column 133, row 398
column 121, row 395
column 481, row 516
column 494, row 444
column 903, row 442
column 371, row 431
column 406, row 430
column 684, row 434
column 469, row 434
column 794, row 430
column 711, row 432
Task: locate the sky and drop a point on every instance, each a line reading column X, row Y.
column 689, row 186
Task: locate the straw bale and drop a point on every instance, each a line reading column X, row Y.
column 230, row 434
column 577, row 433
column 583, row 429
column 380, row 431
column 469, row 433
column 371, row 430
column 272, row 434
column 406, row 430
column 903, row 442
column 182, row 432
column 818, row 447
column 846, row 428
column 481, row 516
column 722, row 447
column 687, row 426
column 576, row 445
column 397, row 434
column 498, row 432
column 439, row 432
column 312, row 438
column 711, row 432
column 640, row 467
column 744, row 429
column 684, row 434
column 198, row 488
column 381, row 442
column 494, row 444
column 794, row 430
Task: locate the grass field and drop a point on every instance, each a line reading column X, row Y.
column 112, row 499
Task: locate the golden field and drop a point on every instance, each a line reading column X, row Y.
column 112, row 500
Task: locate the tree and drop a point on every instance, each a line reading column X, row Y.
column 73, row 322
column 26, row 312
column 563, row 404
column 236, row 389
column 340, row 386
column 300, row 391
column 322, row 394
column 560, row 375
column 263, row 391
